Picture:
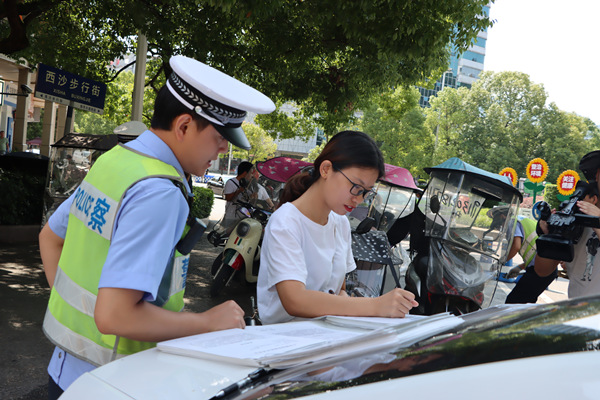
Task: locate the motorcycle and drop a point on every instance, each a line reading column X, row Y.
column 376, row 259
column 242, row 237
column 461, row 250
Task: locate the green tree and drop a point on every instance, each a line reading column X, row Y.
column 314, row 153
column 395, row 121
column 262, row 145
column 502, row 121
column 327, row 56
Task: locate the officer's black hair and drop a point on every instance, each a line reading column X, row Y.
column 167, row 107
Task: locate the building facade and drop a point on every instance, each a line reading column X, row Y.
column 463, row 69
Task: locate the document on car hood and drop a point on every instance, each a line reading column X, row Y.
column 295, row 343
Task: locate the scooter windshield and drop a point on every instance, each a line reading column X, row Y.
column 470, row 213
column 470, row 223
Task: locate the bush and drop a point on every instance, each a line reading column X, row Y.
column 550, row 193
column 22, row 183
column 483, row 221
column 203, row 202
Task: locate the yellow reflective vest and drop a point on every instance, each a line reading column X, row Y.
column 528, row 248
column 69, row 320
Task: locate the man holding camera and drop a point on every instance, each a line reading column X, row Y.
column 235, row 190
column 583, row 270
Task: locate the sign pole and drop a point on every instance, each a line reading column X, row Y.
column 68, row 120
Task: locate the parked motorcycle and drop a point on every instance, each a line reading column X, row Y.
column 242, row 237
column 242, row 249
column 461, row 250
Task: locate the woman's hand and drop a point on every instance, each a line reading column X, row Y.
column 396, row 303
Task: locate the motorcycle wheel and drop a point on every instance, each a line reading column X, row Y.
column 220, row 280
column 216, row 264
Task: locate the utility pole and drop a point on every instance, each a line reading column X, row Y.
column 137, row 101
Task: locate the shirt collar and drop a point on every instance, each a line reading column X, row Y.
column 150, row 144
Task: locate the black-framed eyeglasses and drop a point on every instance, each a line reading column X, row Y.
column 356, row 189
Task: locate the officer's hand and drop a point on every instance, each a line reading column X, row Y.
column 224, row 316
column 514, row 272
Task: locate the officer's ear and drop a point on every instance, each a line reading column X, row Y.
column 181, row 125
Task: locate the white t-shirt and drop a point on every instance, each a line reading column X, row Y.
column 583, row 271
column 297, row 248
column 231, row 186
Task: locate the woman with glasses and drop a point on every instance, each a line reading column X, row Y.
column 306, row 250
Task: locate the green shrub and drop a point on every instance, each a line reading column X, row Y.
column 203, row 202
column 550, row 193
column 21, row 192
column 483, row 221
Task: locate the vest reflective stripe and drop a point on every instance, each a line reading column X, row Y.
column 74, row 295
column 69, row 321
column 177, row 287
column 528, row 248
column 81, row 346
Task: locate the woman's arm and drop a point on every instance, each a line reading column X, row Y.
column 590, row 209
column 300, row 302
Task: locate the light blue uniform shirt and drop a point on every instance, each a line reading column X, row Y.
column 147, row 227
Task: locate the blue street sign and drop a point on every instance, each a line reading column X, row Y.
column 63, row 87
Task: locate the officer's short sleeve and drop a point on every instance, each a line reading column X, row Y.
column 149, row 224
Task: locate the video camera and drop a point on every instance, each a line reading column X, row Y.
column 565, row 226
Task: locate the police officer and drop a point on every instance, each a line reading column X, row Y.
column 108, row 252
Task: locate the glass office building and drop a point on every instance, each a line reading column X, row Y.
column 463, row 69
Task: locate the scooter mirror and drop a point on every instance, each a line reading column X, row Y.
column 434, row 204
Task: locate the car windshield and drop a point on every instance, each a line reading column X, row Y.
column 494, row 334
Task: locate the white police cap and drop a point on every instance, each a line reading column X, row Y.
column 221, row 99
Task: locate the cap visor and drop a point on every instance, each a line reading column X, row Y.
column 235, row 136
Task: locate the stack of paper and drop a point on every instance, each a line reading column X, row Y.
column 295, row 343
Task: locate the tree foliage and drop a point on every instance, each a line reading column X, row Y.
column 502, row 121
column 326, row 55
column 396, row 122
column 262, row 145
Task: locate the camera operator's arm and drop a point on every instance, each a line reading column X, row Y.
column 544, row 266
column 589, row 209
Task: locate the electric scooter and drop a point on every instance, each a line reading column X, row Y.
column 242, row 249
column 460, row 251
column 242, row 240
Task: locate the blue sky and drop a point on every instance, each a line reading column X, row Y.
column 557, row 43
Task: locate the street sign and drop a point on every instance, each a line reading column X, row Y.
column 567, row 182
column 69, row 89
column 511, row 174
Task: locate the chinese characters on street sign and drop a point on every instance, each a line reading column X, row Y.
column 70, row 89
